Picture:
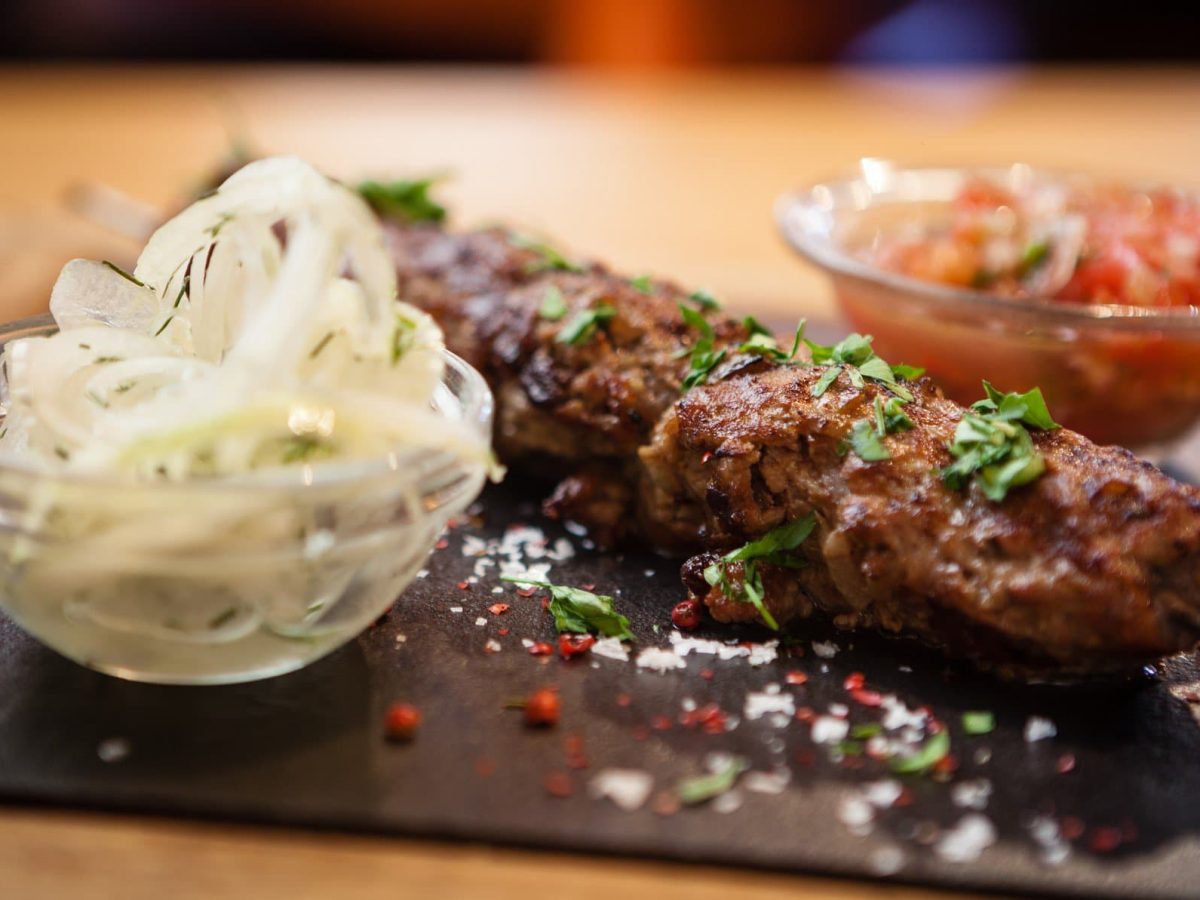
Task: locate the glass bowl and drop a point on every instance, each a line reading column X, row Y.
column 1118, row 374
column 230, row 579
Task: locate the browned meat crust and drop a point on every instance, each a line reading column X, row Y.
column 1093, row 567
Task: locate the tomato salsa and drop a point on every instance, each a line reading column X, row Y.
column 1079, row 243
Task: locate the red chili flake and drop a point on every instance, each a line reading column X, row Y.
column 1071, row 828
column 542, row 708
column 686, row 615
column 805, row 758
column 707, row 674
column 463, row 586
column 1104, row 839
column 541, row 648
column 705, row 457
column 854, row 681
column 1066, row 763
column 623, row 700
column 665, row 803
column 796, row 678
column 867, row 698
column 640, row 732
column 402, row 721
column 573, row 745
column 570, row 645
column 442, row 544
column 805, row 714
column 557, row 784
column 498, row 609
column 588, row 587
column 545, row 603
column 905, row 798
column 853, row 762
column 485, row 767
column 947, row 765
column 661, row 723
column 526, row 592
column 503, row 632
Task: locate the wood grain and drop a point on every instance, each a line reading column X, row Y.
column 674, row 174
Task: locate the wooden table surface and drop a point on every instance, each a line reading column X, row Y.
column 672, row 174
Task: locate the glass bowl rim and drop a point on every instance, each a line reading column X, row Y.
column 415, row 464
column 826, row 253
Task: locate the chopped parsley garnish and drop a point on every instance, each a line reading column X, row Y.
column 403, row 336
column 302, row 447
column 122, row 272
column 992, row 446
column 866, row 730
column 643, row 283
column 405, row 200
column 776, row 548
column 977, row 722
column 933, row 751
column 866, row 444
column 579, row 611
column 890, row 417
column 105, row 360
column 866, row 436
column 705, row 787
column 551, row 259
column 703, row 357
column 583, row 324
column 762, row 342
column 854, row 355
column 554, row 304
column 1035, row 254
column 61, row 452
column 704, row 301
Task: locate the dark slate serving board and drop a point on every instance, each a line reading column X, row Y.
column 306, row 749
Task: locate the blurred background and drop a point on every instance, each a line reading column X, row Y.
column 600, row 32
column 656, row 134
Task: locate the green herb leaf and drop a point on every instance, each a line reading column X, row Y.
column 703, row 357
column 704, row 301
column 121, row 272
column 866, row 444
column 890, row 417
column 1034, row 412
column 551, row 258
column 554, row 305
column 404, row 200
column 579, row 611
column 866, row 730
column 1035, row 254
column 906, row 372
column 705, row 787
column 776, row 548
column 762, row 342
column 977, row 722
column 580, row 327
column 828, row 377
column 403, row 336
column 854, row 355
column 643, row 283
column 992, row 446
column 936, row 748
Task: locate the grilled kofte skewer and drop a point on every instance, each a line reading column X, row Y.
column 1091, row 566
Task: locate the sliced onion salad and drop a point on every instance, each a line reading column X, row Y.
column 260, row 329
